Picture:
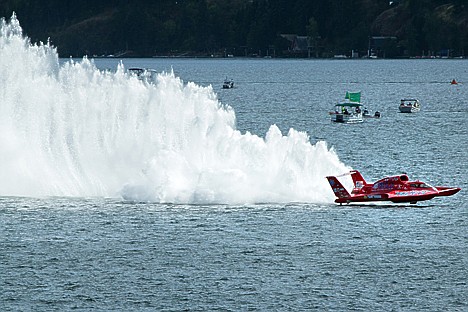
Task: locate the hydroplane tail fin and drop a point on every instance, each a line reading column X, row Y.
column 338, row 188
column 358, row 180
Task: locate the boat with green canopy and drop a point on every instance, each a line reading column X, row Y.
column 349, row 111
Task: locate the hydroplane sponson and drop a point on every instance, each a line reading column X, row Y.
column 397, row 189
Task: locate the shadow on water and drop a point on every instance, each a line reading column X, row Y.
column 389, row 206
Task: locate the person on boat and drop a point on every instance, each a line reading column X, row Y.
column 358, row 110
column 346, row 111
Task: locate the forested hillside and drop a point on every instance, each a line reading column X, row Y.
column 246, row 27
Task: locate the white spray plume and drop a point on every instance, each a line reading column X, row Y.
column 74, row 130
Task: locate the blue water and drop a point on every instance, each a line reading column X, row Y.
column 108, row 253
column 85, row 254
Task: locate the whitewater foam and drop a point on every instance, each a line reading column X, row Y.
column 74, row 130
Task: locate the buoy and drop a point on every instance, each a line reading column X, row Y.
column 454, row 82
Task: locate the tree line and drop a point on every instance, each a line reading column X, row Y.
column 244, row 27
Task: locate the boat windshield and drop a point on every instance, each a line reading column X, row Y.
column 420, row 185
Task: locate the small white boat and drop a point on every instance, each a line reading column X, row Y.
column 146, row 74
column 349, row 111
column 409, row 106
column 228, row 84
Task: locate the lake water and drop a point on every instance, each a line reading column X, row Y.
column 121, row 195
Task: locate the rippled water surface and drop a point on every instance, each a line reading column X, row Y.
column 61, row 253
column 108, row 255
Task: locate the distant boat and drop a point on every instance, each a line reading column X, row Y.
column 409, row 106
column 367, row 114
column 143, row 73
column 349, row 111
column 454, row 82
column 228, row 84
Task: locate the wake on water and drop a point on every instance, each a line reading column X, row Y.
column 74, row 130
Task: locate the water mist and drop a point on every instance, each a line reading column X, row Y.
column 74, row 130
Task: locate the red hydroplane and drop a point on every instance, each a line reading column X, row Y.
column 397, row 189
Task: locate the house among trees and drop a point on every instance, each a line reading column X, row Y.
column 382, row 47
column 300, row 46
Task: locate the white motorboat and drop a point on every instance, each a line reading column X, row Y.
column 349, row 111
column 143, row 73
column 409, row 106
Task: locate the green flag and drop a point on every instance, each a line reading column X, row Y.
column 353, row 96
